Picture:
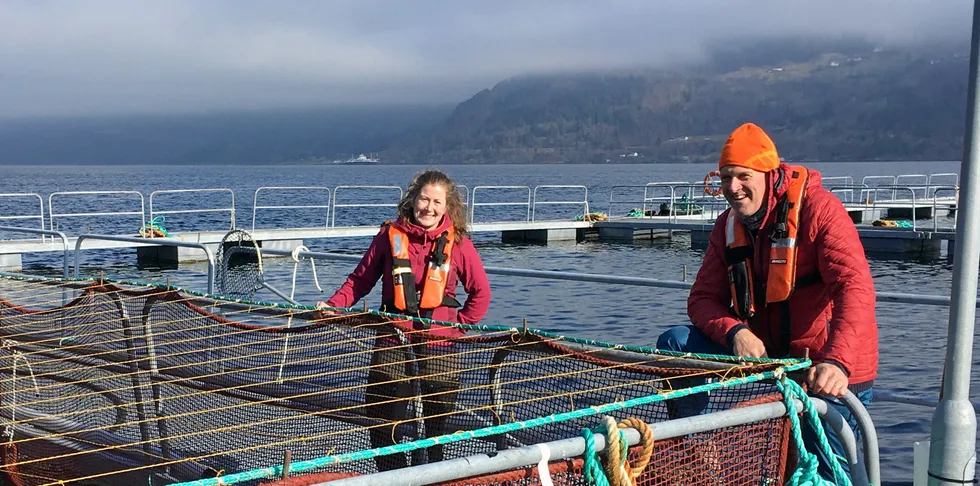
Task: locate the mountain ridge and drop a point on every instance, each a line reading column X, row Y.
column 846, row 100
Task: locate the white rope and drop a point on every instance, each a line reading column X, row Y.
column 296, row 262
column 544, row 474
column 8, row 429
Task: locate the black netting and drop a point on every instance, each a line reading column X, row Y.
column 238, row 266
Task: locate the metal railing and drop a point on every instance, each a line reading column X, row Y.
column 892, row 297
column 872, row 181
column 864, row 471
column 584, row 202
column 955, row 191
column 917, row 182
column 15, row 217
column 230, row 210
column 654, row 185
column 844, row 181
column 326, row 207
column 334, row 205
column 694, row 202
column 947, row 175
column 44, row 232
column 683, row 199
column 632, row 202
column 873, row 203
column 148, row 242
column 474, row 204
column 849, row 190
column 52, row 214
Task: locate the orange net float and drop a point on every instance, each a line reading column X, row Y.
column 707, row 184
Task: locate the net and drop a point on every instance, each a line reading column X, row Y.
column 129, row 384
column 238, row 266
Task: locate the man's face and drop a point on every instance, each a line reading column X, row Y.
column 744, row 189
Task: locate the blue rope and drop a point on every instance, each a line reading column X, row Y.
column 806, row 469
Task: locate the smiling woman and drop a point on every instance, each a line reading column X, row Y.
column 420, row 259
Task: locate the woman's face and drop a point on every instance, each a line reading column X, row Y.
column 430, row 206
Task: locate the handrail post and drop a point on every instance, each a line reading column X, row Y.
column 59, row 234
column 952, row 448
column 149, row 242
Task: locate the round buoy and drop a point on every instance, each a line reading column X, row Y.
column 707, row 184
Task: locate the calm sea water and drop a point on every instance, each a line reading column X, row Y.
column 912, row 338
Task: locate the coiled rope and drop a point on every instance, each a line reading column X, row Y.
column 617, row 471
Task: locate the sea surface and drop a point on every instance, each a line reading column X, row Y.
column 912, row 337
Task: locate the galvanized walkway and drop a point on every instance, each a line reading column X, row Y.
column 519, row 213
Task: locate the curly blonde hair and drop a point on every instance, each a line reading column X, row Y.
column 454, row 202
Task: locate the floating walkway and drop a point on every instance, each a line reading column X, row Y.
column 907, row 215
column 899, row 215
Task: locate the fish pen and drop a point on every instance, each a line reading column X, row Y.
column 108, row 382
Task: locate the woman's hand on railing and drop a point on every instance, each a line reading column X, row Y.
column 323, row 313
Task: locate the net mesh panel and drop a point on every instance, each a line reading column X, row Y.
column 109, row 384
column 238, row 268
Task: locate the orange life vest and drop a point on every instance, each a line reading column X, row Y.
column 782, row 277
column 407, row 299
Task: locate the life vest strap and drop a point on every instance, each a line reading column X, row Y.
column 737, row 254
column 785, row 320
column 447, row 301
column 808, row 280
column 401, row 262
column 439, row 256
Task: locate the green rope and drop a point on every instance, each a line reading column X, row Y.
column 806, row 469
column 155, row 223
column 593, row 467
column 581, row 217
column 320, row 462
column 594, row 473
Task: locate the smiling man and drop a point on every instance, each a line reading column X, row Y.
column 784, row 275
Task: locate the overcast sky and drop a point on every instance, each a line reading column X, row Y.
column 126, row 56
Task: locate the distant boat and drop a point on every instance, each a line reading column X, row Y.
column 359, row 160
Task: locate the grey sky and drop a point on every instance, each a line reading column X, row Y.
column 71, row 57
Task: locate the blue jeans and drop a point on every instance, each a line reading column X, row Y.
column 689, row 339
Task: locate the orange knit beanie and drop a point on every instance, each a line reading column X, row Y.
column 749, row 146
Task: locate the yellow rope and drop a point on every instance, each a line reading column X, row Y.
column 237, row 331
column 617, row 466
column 275, row 381
column 217, row 361
column 281, row 419
column 244, row 385
column 646, row 438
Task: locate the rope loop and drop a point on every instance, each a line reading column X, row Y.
column 806, row 468
column 617, row 471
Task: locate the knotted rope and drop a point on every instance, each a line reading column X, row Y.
column 806, row 469
column 618, row 471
